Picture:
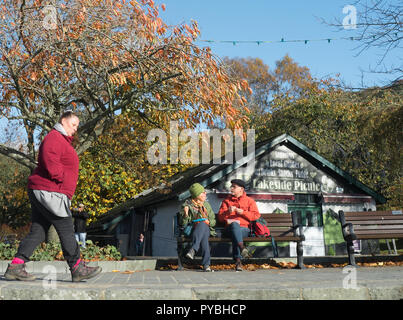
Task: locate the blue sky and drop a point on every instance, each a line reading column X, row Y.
column 268, row 20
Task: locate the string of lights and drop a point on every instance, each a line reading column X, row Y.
column 259, row 42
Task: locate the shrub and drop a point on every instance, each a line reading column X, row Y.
column 52, row 251
column 93, row 252
column 7, row 251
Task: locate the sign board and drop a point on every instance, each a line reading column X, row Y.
column 283, row 170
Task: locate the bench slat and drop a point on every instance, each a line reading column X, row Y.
column 378, row 227
column 277, row 216
column 374, row 231
column 281, row 233
column 370, row 213
column 379, row 236
column 285, row 219
column 374, row 218
column 380, row 222
column 280, row 228
column 279, row 224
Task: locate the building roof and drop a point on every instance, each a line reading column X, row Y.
column 207, row 174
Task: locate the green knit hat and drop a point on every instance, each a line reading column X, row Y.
column 195, row 190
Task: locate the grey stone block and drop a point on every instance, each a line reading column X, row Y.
column 246, row 294
column 39, row 293
column 148, row 294
column 149, row 264
column 107, row 266
column 386, row 293
column 334, row 294
column 47, row 267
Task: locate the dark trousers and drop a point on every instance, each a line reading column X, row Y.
column 236, row 233
column 200, row 235
column 42, row 219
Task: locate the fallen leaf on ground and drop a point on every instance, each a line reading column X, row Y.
column 127, row 272
column 272, row 265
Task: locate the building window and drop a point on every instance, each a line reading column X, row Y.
column 309, row 207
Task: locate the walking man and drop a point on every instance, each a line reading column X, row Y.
column 51, row 188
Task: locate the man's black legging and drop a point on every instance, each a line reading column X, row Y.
column 42, row 219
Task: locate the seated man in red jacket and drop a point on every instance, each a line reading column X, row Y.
column 237, row 211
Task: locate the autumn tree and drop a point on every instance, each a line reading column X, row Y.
column 116, row 168
column 288, row 80
column 359, row 132
column 14, row 204
column 102, row 58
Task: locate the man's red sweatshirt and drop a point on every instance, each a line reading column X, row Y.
column 58, row 165
column 247, row 204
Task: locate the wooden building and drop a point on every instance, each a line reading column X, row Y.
column 285, row 176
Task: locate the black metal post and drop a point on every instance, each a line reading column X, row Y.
column 298, row 231
column 349, row 236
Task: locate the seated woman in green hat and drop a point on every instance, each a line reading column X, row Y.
column 198, row 210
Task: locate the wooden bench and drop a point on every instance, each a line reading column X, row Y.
column 284, row 227
column 369, row 225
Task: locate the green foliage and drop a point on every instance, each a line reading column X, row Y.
column 14, row 203
column 52, row 251
column 115, row 169
column 360, row 132
column 91, row 252
column 332, row 228
column 7, row 251
column 46, row 251
column 331, row 251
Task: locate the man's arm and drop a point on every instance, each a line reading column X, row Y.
column 251, row 213
column 223, row 212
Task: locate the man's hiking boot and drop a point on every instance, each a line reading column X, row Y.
column 191, row 254
column 207, row 268
column 82, row 272
column 18, row 272
column 245, row 253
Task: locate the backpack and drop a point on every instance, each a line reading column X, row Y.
column 260, row 228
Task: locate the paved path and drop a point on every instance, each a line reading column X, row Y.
column 364, row 283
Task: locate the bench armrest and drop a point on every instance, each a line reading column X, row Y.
column 348, row 232
column 297, row 225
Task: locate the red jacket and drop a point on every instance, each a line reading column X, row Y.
column 248, row 205
column 58, row 163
